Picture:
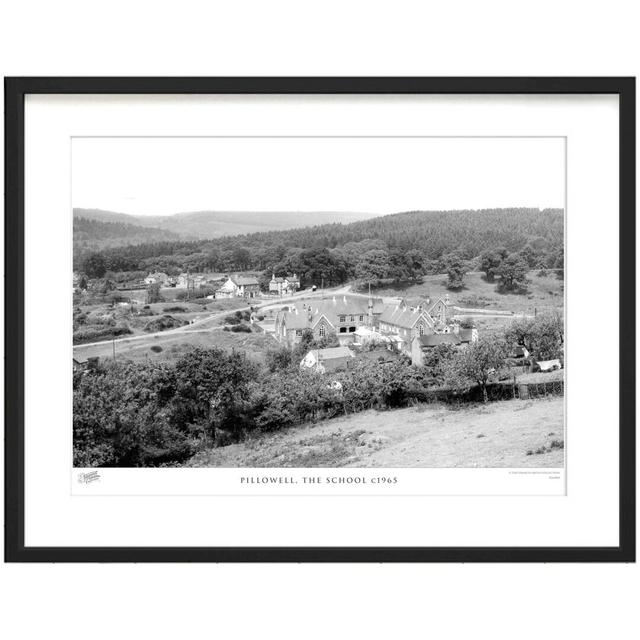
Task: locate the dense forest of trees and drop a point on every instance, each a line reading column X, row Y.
column 398, row 246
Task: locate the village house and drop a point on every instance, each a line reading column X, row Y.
column 405, row 323
column 190, row 281
column 331, row 359
column 420, row 345
column 283, row 286
column 239, row 287
column 81, row 364
column 340, row 316
column 157, row 278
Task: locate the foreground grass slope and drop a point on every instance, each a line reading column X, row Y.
column 500, row 434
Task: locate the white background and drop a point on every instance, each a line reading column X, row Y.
column 334, row 38
column 162, row 176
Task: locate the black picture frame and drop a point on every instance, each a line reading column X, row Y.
column 15, row 91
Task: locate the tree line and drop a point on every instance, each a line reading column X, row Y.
column 398, row 246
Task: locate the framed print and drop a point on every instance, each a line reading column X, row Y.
column 320, row 319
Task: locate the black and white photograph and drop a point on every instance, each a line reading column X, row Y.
column 321, row 301
column 363, row 315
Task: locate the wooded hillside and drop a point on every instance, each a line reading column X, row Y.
column 406, row 241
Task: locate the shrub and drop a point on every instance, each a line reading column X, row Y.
column 98, row 333
column 176, row 309
column 241, row 328
column 156, row 348
column 232, row 319
column 163, row 323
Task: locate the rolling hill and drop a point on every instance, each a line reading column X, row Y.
column 337, row 247
column 215, row 224
column 93, row 235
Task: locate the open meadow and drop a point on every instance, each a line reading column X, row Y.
column 543, row 293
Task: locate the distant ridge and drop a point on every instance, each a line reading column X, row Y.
column 203, row 225
column 432, row 234
column 93, row 235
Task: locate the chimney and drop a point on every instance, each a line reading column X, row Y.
column 334, row 300
column 446, row 298
column 344, row 299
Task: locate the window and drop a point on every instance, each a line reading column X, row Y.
column 352, row 329
column 343, row 329
column 299, row 332
column 321, row 331
column 343, row 318
column 350, row 318
column 361, row 318
column 421, row 329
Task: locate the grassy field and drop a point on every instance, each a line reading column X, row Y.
column 544, row 293
column 180, row 310
column 514, row 433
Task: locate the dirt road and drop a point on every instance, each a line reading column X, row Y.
column 202, row 324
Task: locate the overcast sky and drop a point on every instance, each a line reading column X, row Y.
column 161, row 176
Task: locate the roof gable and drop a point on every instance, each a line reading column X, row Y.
column 405, row 317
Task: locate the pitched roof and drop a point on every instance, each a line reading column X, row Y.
column 308, row 313
column 403, row 316
column 333, row 352
column 436, row 339
column 294, row 320
column 432, row 303
column 466, row 335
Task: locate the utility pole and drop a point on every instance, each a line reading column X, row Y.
column 114, row 349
